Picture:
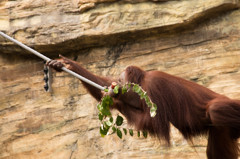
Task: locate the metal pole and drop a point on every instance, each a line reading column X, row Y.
column 25, row 47
column 48, row 59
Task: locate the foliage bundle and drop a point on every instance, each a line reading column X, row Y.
column 110, row 125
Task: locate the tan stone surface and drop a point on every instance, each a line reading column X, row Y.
column 59, row 22
column 90, row 4
column 63, row 124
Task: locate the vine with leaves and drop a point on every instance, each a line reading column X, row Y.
column 109, row 125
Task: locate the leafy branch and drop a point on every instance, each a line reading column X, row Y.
column 111, row 126
column 143, row 95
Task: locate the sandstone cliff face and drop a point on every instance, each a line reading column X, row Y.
column 196, row 40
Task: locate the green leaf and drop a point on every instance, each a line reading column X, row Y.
column 138, row 133
column 106, row 112
column 110, row 101
column 111, row 119
column 153, row 111
column 142, row 95
column 125, row 131
column 136, row 88
column 103, row 130
column 99, row 106
column 105, row 90
column 147, row 99
column 145, row 134
column 108, row 123
column 102, row 104
column 114, row 129
column 103, row 107
column 105, row 101
column 119, row 133
column 131, row 132
column 155, row 106
column 153, row 114
column 124, row 89
column 116, row 88
column 100, row 116
column 148, row 102
column 119, row 120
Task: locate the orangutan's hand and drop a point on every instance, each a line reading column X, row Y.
column 59, row 63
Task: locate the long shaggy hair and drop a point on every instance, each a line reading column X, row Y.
column 191, row 108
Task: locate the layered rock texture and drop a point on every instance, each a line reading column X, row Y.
column 196, row 40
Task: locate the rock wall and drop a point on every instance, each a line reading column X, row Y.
column 196, row 40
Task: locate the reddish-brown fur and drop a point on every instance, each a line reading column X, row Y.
column 191, row 108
